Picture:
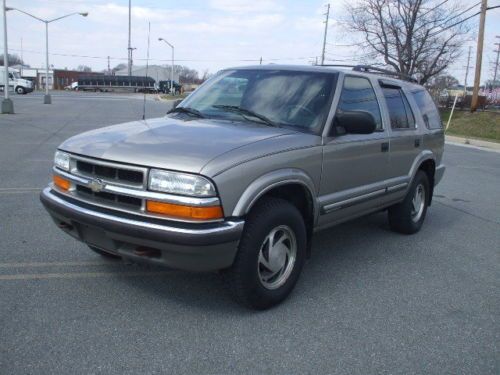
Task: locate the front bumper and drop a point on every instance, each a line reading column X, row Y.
column 188, row 246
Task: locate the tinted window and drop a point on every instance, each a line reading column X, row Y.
column 428, row 109
column 297, row 99
column 400, row 112
column 358, row 95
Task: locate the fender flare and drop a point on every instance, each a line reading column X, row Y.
column 271, row 180
column 422, row 157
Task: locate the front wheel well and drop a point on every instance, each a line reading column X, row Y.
column 300, row 197
column 429, row 167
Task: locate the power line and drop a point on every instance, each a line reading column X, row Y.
column 463, row 20
column 166, row 60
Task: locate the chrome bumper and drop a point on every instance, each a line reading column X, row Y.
column 190, row 246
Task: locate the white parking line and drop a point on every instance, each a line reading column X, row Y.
column 80, row 275
column 52, row 264
column 19, row 190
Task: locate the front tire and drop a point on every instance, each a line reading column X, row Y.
column 271, row 254
column 20, row 90
column 408, row 216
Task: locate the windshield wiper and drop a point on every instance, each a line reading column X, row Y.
column 246, row 112
column 187, row 110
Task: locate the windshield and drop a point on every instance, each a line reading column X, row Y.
column 286, row 98
column 16, row 75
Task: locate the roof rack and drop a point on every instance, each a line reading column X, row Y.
column 373, row 69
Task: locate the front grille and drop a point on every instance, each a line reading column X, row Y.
column 109, row 198
column 109, row 173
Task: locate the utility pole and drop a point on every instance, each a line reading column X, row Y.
column 7, row 104
column 129, row 36
column 260, row 61
column 467, row 72
column 109, row 69
column 22, row 60
column 496, row 63
column 327, row 14
column 479, row 56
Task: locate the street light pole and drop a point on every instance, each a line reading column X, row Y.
column 47, row 98
column 7, row 105
column 172, row 70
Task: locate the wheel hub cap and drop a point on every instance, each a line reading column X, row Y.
column 277, row 257
column 418, row 203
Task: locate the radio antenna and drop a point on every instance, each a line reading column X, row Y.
column 147, row 68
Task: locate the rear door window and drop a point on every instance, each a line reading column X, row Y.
column 430, row 114
column 399, row 109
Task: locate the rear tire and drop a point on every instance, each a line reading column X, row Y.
column 408, row 216
column 271, row 254
column 103, row 253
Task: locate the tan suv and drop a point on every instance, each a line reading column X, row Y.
column 239, row 176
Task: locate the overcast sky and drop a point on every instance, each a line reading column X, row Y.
column 210, row 34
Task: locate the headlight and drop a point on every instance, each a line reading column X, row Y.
column 61, row 160
column 180, row 183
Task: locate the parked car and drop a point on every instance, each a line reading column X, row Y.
column 242, row 173
column 165, row 87
column 72, row 87
column 19, row 85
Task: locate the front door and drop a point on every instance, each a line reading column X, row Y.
column 355, row 166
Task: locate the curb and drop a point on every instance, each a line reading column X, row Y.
column 473, row 143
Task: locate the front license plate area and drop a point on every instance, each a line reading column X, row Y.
column 96, row 237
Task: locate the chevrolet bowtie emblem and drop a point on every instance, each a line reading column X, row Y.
column 96, row 185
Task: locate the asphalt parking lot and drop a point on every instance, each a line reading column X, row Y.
column 369, row 301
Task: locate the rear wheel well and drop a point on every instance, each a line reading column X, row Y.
column 299, row 196
column 429, row 167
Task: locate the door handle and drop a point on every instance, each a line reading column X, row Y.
column 384, row 147
column 417, row 142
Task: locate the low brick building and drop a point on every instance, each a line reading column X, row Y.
column 63, row 78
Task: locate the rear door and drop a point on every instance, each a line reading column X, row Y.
column 405, row 135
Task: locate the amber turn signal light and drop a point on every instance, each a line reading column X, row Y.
column 61, row 183
column 185, row 212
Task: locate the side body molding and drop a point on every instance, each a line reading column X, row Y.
column 271, row 180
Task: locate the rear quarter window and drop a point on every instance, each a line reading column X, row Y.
column 430, row 114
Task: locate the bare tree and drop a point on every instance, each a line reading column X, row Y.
column 12, row 59
column 415, row 37
column 84, row 68
column 120, row 66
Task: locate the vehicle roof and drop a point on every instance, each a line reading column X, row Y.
column 331, row 69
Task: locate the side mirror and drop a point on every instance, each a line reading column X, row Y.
column 356, row 122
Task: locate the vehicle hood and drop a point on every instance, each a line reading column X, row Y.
column 169, row 143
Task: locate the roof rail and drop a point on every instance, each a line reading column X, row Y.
column 374, row 69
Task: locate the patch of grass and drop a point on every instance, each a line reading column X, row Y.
column 172, row 97
column 481, row 124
